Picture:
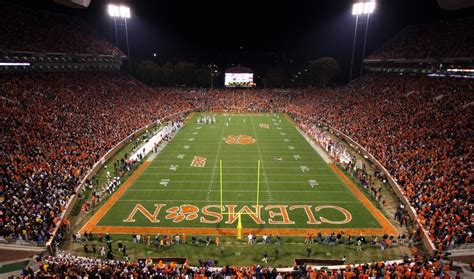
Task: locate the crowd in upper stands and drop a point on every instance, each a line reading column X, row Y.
column 72, row 266
column 26, row 29
column 445, row 39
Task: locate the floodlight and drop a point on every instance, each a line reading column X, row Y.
column 369, row 7
column 124, row 12
column 113, row 10
column 357, row 8
column 363, row 8
column 118, row 11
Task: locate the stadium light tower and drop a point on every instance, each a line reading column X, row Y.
column 361, row 8
column 123, row 12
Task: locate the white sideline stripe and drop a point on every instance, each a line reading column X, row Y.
column 231, row 201
column 233, row 191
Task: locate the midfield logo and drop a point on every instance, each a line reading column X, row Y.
column 199, row 162
column 239, row 139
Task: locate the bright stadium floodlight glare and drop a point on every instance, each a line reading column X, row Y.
column 119, row 11
column 124, row 12
column 363, row 8
column 113, row 10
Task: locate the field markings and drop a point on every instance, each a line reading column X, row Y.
column 238, row 201
column 267, row 185
column 279, row 162
column 277, row 168
column 213, row 173
column 292, row 231
column 242, row 174
column 231, row 231
column 242, row 182
column 235, row 191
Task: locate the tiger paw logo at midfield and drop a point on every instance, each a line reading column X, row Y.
column 239, row 139
column 199, row 162
column 180, row 213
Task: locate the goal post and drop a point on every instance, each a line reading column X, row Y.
column 221, row 194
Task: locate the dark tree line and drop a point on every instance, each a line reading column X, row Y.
column 320, row 73
column 174, row 74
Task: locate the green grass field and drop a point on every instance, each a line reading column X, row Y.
column 297, row 190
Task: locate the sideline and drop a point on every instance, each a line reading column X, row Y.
column 232, row 231
column 94, row 220
column 292, row 122
column 388, row 227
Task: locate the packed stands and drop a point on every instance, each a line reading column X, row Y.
column 54, row 128
column 25, row 29
column 417, row 128
column 444, row 39
column 72, row 266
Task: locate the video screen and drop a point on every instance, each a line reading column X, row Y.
column 239, row 80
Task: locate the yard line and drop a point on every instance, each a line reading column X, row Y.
column 269, row 193
column 211, row 182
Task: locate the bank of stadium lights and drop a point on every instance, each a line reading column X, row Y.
column 361, row 8
column 121, row 12
column 118, row 11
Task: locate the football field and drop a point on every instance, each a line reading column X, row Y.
column 258, row 166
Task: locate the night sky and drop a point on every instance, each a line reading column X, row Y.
column 257, row 33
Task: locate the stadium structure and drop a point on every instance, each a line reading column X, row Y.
column 106, row 176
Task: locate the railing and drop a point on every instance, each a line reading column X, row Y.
column 428, row 244
column 97, row 166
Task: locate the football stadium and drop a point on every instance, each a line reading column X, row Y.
column 324, row 139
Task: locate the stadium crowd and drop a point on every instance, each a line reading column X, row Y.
column 54, row 128
column 444, row 39
column 27, row 29
column 417, row 128
column 68, row 265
